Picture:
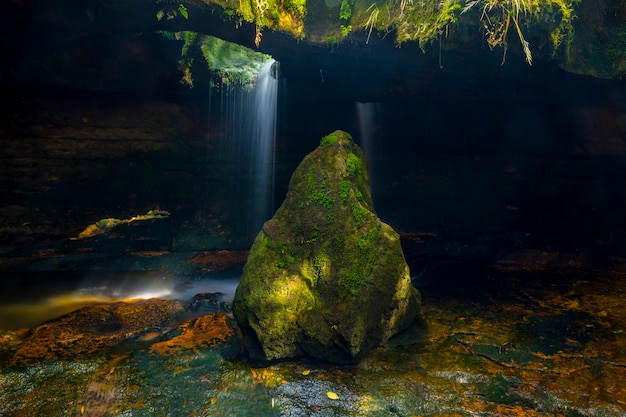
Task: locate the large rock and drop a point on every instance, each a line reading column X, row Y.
column 325, row 277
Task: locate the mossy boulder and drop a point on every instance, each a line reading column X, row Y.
column 325, row 277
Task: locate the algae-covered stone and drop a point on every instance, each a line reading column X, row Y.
column 325, row 277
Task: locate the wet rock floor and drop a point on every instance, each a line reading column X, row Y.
column 493, row 342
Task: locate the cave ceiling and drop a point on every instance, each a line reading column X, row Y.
column 101, row 42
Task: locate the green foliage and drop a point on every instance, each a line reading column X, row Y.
column 358, row 194
column 311, row 180
column 355, row 166
column 229, row 62
column 314, row 235
column 189, row 39
column 283, row 15
column 363, row 244
column 352, row 281
column 320, row 265
column 171, row 36
column 417, row 21
column 359, row 214
column 429, row 20
column 345, row 11
column 320, row 197
column 369, row 241
column 422, row 21
column 234, row 63
column 183, row 11
column 286, row 260
column 344, row 190
column 499, row 15
column 329, row 140
column 317, row 194
column 170, row 12
column 297, row 7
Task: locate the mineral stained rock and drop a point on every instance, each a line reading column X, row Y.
column 325, row 277
column 92, row 330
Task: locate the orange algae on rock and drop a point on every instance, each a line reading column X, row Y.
column 94, row 329
column 218, row 260
column 206, row 331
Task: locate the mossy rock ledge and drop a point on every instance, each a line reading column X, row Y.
column 325, row 276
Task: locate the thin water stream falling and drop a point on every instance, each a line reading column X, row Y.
column 368, row 115
column 244, row 170
column 263, row 139
column 244, row 155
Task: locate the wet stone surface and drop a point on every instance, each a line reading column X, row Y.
column 517, row 343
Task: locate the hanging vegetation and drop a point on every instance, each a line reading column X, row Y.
column 427, row 20
column 284, row 15
column 228, row 62
column 421, row 21
column 499, row 15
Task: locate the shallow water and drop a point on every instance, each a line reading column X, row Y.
column 28, row 299
column 503, row 343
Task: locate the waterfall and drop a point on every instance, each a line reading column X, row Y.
column 368, row 114
column 263, row 142
column 244, row 129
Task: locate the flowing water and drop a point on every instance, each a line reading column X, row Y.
column 499, row 343
column 264, row 139
column 368, row 115
column 245, row 134
column 44, row 296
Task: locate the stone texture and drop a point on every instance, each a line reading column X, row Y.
column 325, row 277
column 209, row 331
column 90, row 331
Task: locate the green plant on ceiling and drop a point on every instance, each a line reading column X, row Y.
column 372, row 20
column 412, row 20
column 425, row 21
column 498, row 15
column 228, row 62
column 345, row 14
column 415, row 20
column 260, row 9
column 284, row 15
column 171, row 12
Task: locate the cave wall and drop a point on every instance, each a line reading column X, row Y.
column 469, row 158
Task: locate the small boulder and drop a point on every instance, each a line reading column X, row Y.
column 325, row 277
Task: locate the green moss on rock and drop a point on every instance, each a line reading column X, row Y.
column 325, row 277
column 329, row 140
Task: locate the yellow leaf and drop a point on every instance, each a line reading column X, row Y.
column 332, row 395
column 306, row 372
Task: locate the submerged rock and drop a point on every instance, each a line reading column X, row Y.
column 93, row 330
column 210, row 331
column 325, row 277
